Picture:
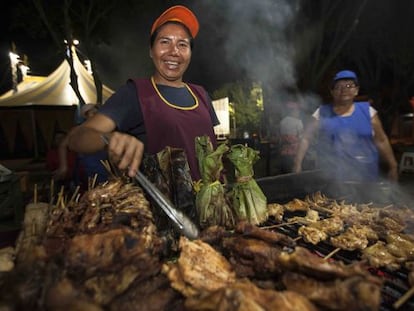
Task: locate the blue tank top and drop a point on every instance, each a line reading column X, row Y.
column 346, row 147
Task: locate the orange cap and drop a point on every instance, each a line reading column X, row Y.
column 178, row 13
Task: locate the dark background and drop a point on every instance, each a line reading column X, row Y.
column 280, row 43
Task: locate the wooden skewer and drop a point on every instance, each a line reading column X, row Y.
column 74, row 194
column 331, row 253
column 60, row 197
column 94, row 181
column 297, row 239
column 403, row 298
column 279, row 225
column 106, row 165
column 322, row 209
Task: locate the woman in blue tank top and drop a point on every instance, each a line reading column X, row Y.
column 351, row 139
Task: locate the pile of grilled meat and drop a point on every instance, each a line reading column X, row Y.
column 382, row 235
column 103, row 252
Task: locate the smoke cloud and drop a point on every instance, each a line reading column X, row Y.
column 237, row 39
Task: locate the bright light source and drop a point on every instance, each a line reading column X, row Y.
column 74, row 41
column 221, row 106
column 14, row 57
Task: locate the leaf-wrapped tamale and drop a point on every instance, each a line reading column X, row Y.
column 173, row 163
column 168, row 170
column 211, row 202
column 249, row 202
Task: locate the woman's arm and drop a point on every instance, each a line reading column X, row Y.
column 384, row 148
column 307, row 137
column 123, row 149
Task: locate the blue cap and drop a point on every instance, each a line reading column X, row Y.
column 346, row 74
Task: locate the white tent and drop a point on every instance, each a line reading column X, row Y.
column 55, row 89
column 42, row 104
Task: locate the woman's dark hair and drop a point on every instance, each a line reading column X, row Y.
column 155, row 33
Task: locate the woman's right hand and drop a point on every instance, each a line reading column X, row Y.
column 126, row 151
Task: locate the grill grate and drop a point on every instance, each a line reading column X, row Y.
column 395, row 282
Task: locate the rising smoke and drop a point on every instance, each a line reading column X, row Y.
column 237, row 38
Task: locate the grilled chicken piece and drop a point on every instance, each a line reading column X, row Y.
column 276, row 211
column 354, row 293
column 311, row 216
column 296, row 205
column 320, row 230
column 312, row 235
column 254, row 231
column 113, row 249
column 213, row 234
column 400, row 245
column 317, row 198
column 199, row 269
column 252, row 257
column 379, row 256
column 355, row 237
column 245, row 296
column 303, row 261
column 158, row 293
column 391, row 224
column 352, row 214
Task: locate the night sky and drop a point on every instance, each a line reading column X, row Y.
column 232, row 42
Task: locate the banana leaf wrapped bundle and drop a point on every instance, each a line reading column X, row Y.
column 211, row 201
column 169, row 171
column 249, row 202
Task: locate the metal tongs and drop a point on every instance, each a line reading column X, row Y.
column 180, row 220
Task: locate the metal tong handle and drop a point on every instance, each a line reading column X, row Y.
column 181, row 221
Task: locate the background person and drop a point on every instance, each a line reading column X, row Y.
column 290, row 130
column 91, row 162
column 63, row 168
column 351, row 139
column 158, row 111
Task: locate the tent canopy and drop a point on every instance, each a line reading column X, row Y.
column 55, row 89
column 30, row 116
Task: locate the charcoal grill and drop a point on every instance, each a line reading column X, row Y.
column 284, row 188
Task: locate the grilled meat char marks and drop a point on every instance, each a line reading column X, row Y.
column 357, row 227
column 353, row 293
column 110, row 257
column 250, row 230
column 379, row 237
column 355, row 237
column 320, row 230
column 260, row 259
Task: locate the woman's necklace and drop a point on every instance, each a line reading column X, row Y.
column 174, row 105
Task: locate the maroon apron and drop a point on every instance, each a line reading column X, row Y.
column 166, row 125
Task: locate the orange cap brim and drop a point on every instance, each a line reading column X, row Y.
column 178, row 13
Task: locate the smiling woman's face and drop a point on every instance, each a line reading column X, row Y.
column 171, row 54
